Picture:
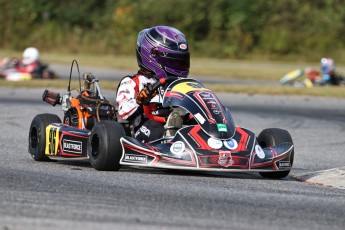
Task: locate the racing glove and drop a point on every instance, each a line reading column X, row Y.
column 145, row 95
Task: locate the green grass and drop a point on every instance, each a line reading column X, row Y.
column 232, row 69
column 338, row 92
column 225, row 68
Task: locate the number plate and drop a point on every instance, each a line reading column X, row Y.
column 52, row 140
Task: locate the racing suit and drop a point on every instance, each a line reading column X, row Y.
column 35, row 69
column 129, row 87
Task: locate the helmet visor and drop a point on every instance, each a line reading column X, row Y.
column 174, row 61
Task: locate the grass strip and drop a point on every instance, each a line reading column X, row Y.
column 327, row 91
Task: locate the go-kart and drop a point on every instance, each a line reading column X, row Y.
column 308, row 78
column 199, row 133
column 9, row 71
column 300, row 78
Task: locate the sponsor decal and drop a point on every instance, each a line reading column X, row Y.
column 207, row 96
column 214, row 143
column 145, row 131
column 183, row 46
column 155, row 112
column 135, row 158
column 284, row 164
column 259, row 152
column 231, row 144
column 178, row 147
column 215, row 111
column 200, row 118
column 125, row 82
column 195, row 85
column 225, row 159
column 70, row 146
column 222, row 128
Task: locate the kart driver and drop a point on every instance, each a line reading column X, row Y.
column 30, row 62
column 328, row 75
column 161, row 51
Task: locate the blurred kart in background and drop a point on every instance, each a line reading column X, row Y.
column 309, row 77
column 10, row 70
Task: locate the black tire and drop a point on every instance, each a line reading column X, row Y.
column 37, row 135
column 104, row 147
column 48, row 74
column 272, row 137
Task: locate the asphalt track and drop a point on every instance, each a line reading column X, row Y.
column 69, row 194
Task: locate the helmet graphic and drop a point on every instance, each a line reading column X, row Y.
column 163, row 51
column 327, row 65
column 30, row 55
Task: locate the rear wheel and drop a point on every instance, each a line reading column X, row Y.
column 37, row 135
column 104, row 147
column 47, row 74
column 272, row 137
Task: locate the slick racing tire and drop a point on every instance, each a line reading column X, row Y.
column 104, row 147
column 272, row 137
column 37, row 135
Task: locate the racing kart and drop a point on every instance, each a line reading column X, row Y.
column 9, row 71
column 200, row 133
column 308, row 78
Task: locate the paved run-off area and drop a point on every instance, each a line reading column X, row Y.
column 69, row 194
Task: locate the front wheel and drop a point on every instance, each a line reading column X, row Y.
column 104, row 147
column 272, row 137
column 37, row 135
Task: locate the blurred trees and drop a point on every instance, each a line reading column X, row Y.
column 218, row 28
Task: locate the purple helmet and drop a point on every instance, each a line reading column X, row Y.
column 163, row 51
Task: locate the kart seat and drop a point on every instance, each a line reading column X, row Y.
column 174, row 122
